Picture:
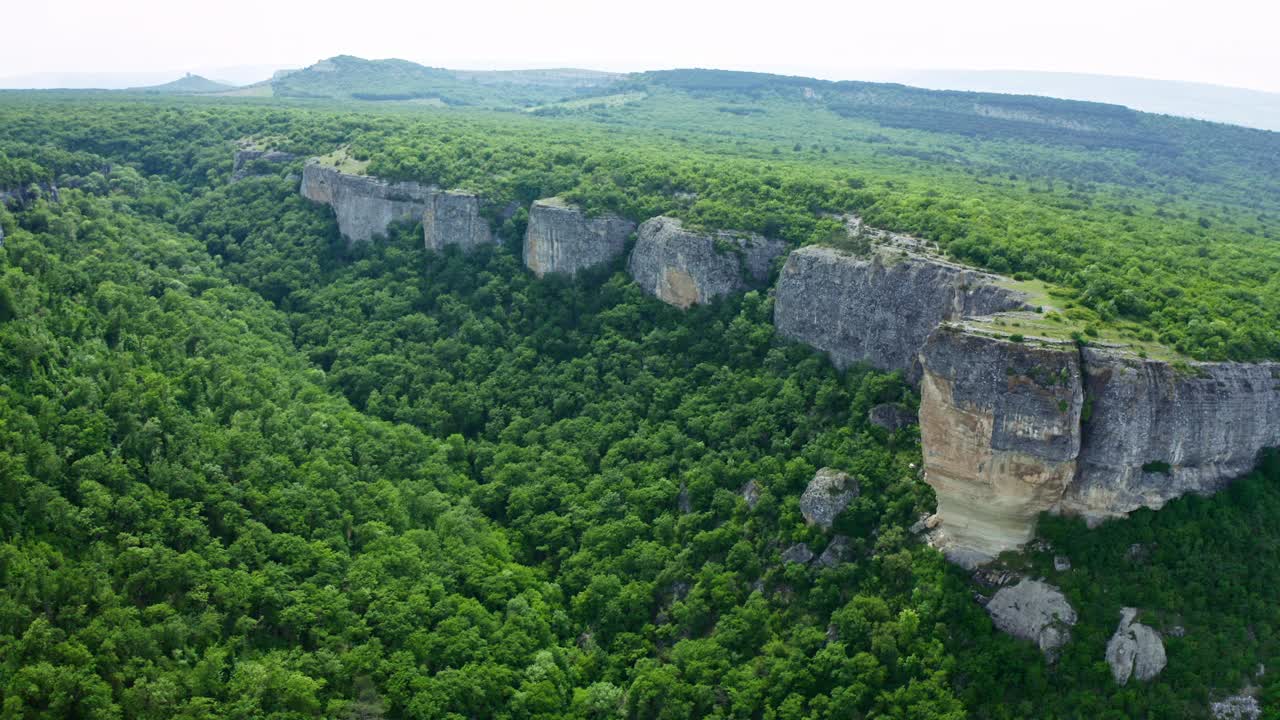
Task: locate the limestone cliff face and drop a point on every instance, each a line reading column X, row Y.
column 453, row 218
column 1006, row 433
column 1157, row 431
column 683, row 268
column 999, row 425
column 364, row 205
column 562, row 239
column 879, row 309
column 245, row 160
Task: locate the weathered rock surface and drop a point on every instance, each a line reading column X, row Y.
column 562, row 239
column 827, row 495
column 1236, row 707
column 684, row 268
column 751, row 493
column 1036, row 611
column 798, row 553
column 1135, row 650
column 364, row 206
column 999, row 426
column 881, row 308
column 1194, row 429
column 453, row 218
column 891, row 416
column 245, row 160
column 837, row 551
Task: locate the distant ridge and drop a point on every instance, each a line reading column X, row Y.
column 187, row 84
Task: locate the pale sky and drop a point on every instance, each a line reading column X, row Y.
column 1227, row 42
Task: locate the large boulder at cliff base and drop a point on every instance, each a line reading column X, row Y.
column 453, row 218
column 1135, row 650
column 879, row 308
column 562, row 239
column 1036, row 611
column 364, row 206
column 684, row 268
column 827, row 495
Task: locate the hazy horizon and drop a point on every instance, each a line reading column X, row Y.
column 1142, row 39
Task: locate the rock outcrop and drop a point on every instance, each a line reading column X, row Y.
column 1158, row 430
column 684, row 268
column 836, row 552
column 1036, row 611
column 246, row 161
column 879, row 309
column 1236, row 707
column 798, row 553
column 453, row 218
column 1013, row 429
column 891, row 416
column 1135, row 650
column 999, row 426
column 562, row 239
column 364, row 206
column 827, row 495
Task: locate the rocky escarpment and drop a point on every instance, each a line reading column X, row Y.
column 684, row 268
column 453, row 218
column 1013, row 429
column 247, row 160
column 880, row 308
column 999, row 427
column 562, row 239
column 364, row 206
column 1157, row 430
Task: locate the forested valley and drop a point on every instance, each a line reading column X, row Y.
column 251, row 471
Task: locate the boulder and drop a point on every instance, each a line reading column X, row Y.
column 879, row 308
column 1061, row 563
column 891, row 416
column 1236, row 707
column 453, row 218
column 827, row 495
column 837, row 552
column 684, row 268
column 1134, row 650
column 798, row 553
column 364, row 206
column 562, row 239
column 751, row 493
column 1036, row 611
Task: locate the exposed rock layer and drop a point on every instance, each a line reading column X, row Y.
column 878, row 309
column 684, row 268
column 453, row 218
column 246, row 160
column 364, row 206
column 562, row 239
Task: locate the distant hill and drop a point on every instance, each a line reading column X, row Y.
column 188, row 84
column 350, row 78
column 1250, row 108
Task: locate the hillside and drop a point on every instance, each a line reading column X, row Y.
column 188, row 84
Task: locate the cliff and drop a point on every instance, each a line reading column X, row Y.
column 247, row 160
column 1157, row 430
column 561, row 239
column 879, row 309
column 999, row 426
column 453, row 218
column 1013, row 429
column 684, row 268
column 364, row 206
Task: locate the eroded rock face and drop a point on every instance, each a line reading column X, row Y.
column 1036, row 611
column 453, row 218
column 881, row 308
column 827, row 495
column 242, row 167
column 999, row 426
column 1157, row 431
column 562, row 239
column 683, row 268
column 364, row 206
column 1135, row 650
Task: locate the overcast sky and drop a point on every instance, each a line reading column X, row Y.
column 1228, row 42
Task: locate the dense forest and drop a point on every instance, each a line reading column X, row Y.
column 249, row 471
